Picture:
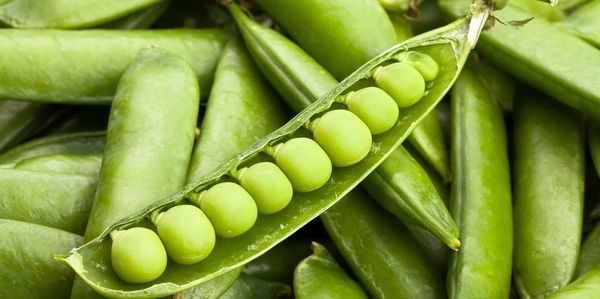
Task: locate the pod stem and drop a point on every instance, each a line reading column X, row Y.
column 155, row 216
column 115, row 233
column 196, row 198
column 272, row 150
column 312, row 124
column 344, row 98
column 238, row 174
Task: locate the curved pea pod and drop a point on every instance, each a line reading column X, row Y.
column 589, row 256
column 33, row 65
column 501, row 85
column 66, row 14
column 61, row 163
column 448, row 45
column 549, row 171
column 480, row 199
column 27, row 267
column 213, row 288
column 337, row 45
column 18, row 120
column 71, row 143
column 400, row 177
column 428, row 139
column 380, row 251
column 140, row 19
column 563, row 67
column 320, row 276
column 584, row 23
column 586, row 286
column 249, row 287
column 57, row 200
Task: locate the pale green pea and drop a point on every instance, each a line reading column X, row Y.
column 267, row 184
column 423, row 63
column 137, row 255
column 402, row 82
column 343, row 136
column 230, row 209
column 187, row 234
column 374, row 107
column 304, row 162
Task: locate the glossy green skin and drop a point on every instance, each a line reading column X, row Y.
column 585, row 287
column 72, row 143
column 343, row 136
column 549, row 171
column 268, row 186
column 428, row 139
column 498, row 82
column 404, row 188
column 239, row 96
column 481, row 195
column 564, row 67
column 305, row 163
column 63, row 163
column 66, row 14
column 57, row 200
column 401, row 26
column 97, row 58
column 374, row 107
column 18, row 120
column 230, row 208
column 337, row 46
column 589, row 256
column 584, row 23
column 320, row 276
column 27, row 266
column 423, row 63
column 380, row 251
column 138, row 255
column 146, row 115
column 187, row 234
column 402, row 82
column 249, row 287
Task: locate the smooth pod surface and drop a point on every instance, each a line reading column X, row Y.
column 586, row 286
column 63, row 163
column 250, row 287
column 584, row 23
column 549, row 171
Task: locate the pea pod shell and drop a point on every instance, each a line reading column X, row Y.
column 18, row 120
column 480, row 194
column 33, row 63
column 213, row 288
column 141, row 19
column 66, row 13
column 551, row 60
column 590, row 252
column 27, row 267
column 447, row 45
column 548, row 175
column 62, row 201
column 584, row 23
column 586, row 286
column 428, row 139
column 71, row 164
column 249, row 287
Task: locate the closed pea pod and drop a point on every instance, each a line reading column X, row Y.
column 63, row 163
column 583, row 22
column 589, row 256
column 319, row 276
column 140, row 19
column 480, row 194
column 548, row 177
column 586, row 286
column 269, row 230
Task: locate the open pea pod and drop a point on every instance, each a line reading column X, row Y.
column 448, row 45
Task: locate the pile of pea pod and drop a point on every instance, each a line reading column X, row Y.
column 299, row 149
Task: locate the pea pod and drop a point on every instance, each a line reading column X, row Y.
column 27, row 267
column 448, row 45
column 73, row 164
column 301, row 82
column 212, row 288
column 369, row 36
column 563, row 67
column 480, row 194
column 319, row 275
column 590, row 253
column 62, row 200
column 75, row 143
column 65, row 13
column 538, row 9
column 140, row 19
column 380, row 251
column 18, row 120
column 249, row 287
column 549, row 173
column 278, row 264
column 583, row 22
column 586, row 286
column 97, row 58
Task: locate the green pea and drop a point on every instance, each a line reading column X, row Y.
column 137, row 255
column 230, row 208
column 304, row 162
column 343, row 136
column 188, row 235
column 401, row 81
column 423, row 63
column 268, row 185
column 374, row 107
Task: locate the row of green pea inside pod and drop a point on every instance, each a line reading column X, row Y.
column 187, row 233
